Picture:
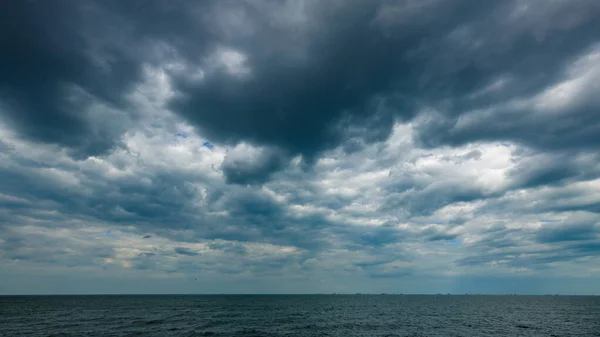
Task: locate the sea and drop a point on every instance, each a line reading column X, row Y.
column 299, row 315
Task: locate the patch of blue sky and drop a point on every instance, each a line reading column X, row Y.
column 455, row 243
column 109, row 234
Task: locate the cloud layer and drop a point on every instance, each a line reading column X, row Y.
column 300, row 146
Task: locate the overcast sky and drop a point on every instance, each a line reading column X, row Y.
column 260, row 146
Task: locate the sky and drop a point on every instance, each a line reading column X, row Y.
column 303, row 146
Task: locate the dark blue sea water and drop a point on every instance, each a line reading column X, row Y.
column 291, row 315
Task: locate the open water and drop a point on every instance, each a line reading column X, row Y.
column 300, row 315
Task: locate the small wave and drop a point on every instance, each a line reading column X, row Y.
column 250, row 332
column 201, row 334
column 154, row 322
column 215, row 323
column 523, row 326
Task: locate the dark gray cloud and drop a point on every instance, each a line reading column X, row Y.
column 300, row 86
column 570, row 241
column 425, row 201
column 186, row 251
column 303, row 78
column 41, row 248
column 54, row 75
column 557, row 168
column 551, row 233
column 522, row 102
column 252, row 168
column 145, row 261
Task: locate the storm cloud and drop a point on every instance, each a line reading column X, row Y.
column 324, row 145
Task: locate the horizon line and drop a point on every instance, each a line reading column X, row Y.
column 294, row 294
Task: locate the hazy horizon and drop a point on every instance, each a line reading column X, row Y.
column 291, row 294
